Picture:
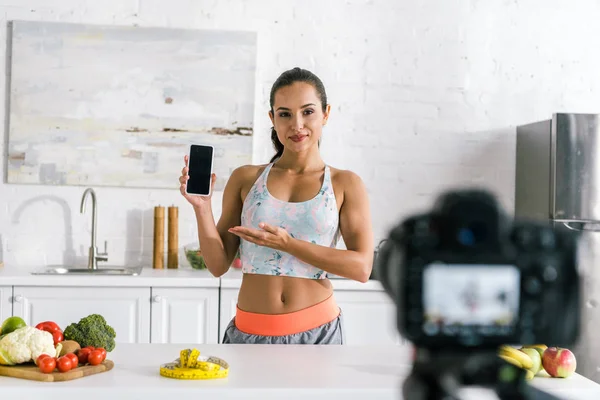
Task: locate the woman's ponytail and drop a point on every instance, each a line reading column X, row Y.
column 276, row 144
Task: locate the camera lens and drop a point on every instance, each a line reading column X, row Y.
column 466, row 237
column 471, row 234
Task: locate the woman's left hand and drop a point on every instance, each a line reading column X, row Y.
column 270, row 236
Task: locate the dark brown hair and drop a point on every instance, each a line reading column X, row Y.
column 285, row 79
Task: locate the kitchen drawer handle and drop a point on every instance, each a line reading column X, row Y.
column 18, row 298
column 156, row 299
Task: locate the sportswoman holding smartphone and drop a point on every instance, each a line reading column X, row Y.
column 285, row 217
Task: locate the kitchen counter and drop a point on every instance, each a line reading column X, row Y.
column 263, row 372
column 150, row 277
column 173, row 278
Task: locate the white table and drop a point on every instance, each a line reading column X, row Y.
column 262, row 372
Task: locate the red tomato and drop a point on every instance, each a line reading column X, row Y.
column 41, row 357
column 92, row 348
column 64, row 364
column 83, row 354
column 95, row 357
column 103, row 352
column 46, row 364
column 74, row 359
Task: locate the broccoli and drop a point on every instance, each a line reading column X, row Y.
column 92, row 331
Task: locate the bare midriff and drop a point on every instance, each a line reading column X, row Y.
column 268, row 294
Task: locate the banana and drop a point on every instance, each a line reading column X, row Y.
column 523, row 358
column 529, row 375
column 539, row 346
column 512, row 361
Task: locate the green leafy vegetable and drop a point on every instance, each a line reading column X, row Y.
column 92, row 330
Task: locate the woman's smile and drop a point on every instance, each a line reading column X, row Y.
column 298, row 138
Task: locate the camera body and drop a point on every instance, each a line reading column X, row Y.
column 464, row 275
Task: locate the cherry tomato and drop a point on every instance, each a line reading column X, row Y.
column 64, row 364
column 46, row 364
column 83, row 354
column 41, row 357
column 74, row 359
column 92, row 348
column 95, row 357
column 101, row 350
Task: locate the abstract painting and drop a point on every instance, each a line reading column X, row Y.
column 119, row 106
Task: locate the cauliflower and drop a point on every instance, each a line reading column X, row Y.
column 26, row 344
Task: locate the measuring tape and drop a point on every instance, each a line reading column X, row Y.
column 192, row 365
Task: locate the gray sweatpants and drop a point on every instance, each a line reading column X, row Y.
column 329, row 333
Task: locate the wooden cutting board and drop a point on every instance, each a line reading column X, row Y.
column 32, row 372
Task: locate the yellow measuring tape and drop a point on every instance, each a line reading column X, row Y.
column 192, row 365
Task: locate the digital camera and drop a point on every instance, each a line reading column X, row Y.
column 465, row 275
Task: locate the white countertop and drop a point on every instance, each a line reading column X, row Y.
column 150, row 277
column 174, row 278
column 263, row 372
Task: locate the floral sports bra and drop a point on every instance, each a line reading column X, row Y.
column 315, row 220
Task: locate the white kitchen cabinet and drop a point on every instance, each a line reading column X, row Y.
column 369, row 317
column 185, row 315
column 5, row 302
column 126, row 309
column 227, row 307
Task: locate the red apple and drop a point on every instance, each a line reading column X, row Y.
column 559, row 363
column 237, row 263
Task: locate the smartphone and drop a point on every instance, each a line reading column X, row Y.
column 200, row 166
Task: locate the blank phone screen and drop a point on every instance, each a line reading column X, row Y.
column 200, row 168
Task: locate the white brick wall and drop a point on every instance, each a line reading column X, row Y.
column 426, row 94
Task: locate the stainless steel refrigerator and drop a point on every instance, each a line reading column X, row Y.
column 558, row 180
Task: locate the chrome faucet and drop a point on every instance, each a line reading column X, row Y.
column 94, row 256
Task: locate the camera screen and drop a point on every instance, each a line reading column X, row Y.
column 481, row 297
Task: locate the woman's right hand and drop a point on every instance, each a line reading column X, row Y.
column 194, row 200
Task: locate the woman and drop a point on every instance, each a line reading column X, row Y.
column 286, row 217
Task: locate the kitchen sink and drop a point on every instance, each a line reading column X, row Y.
column 64, row 270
